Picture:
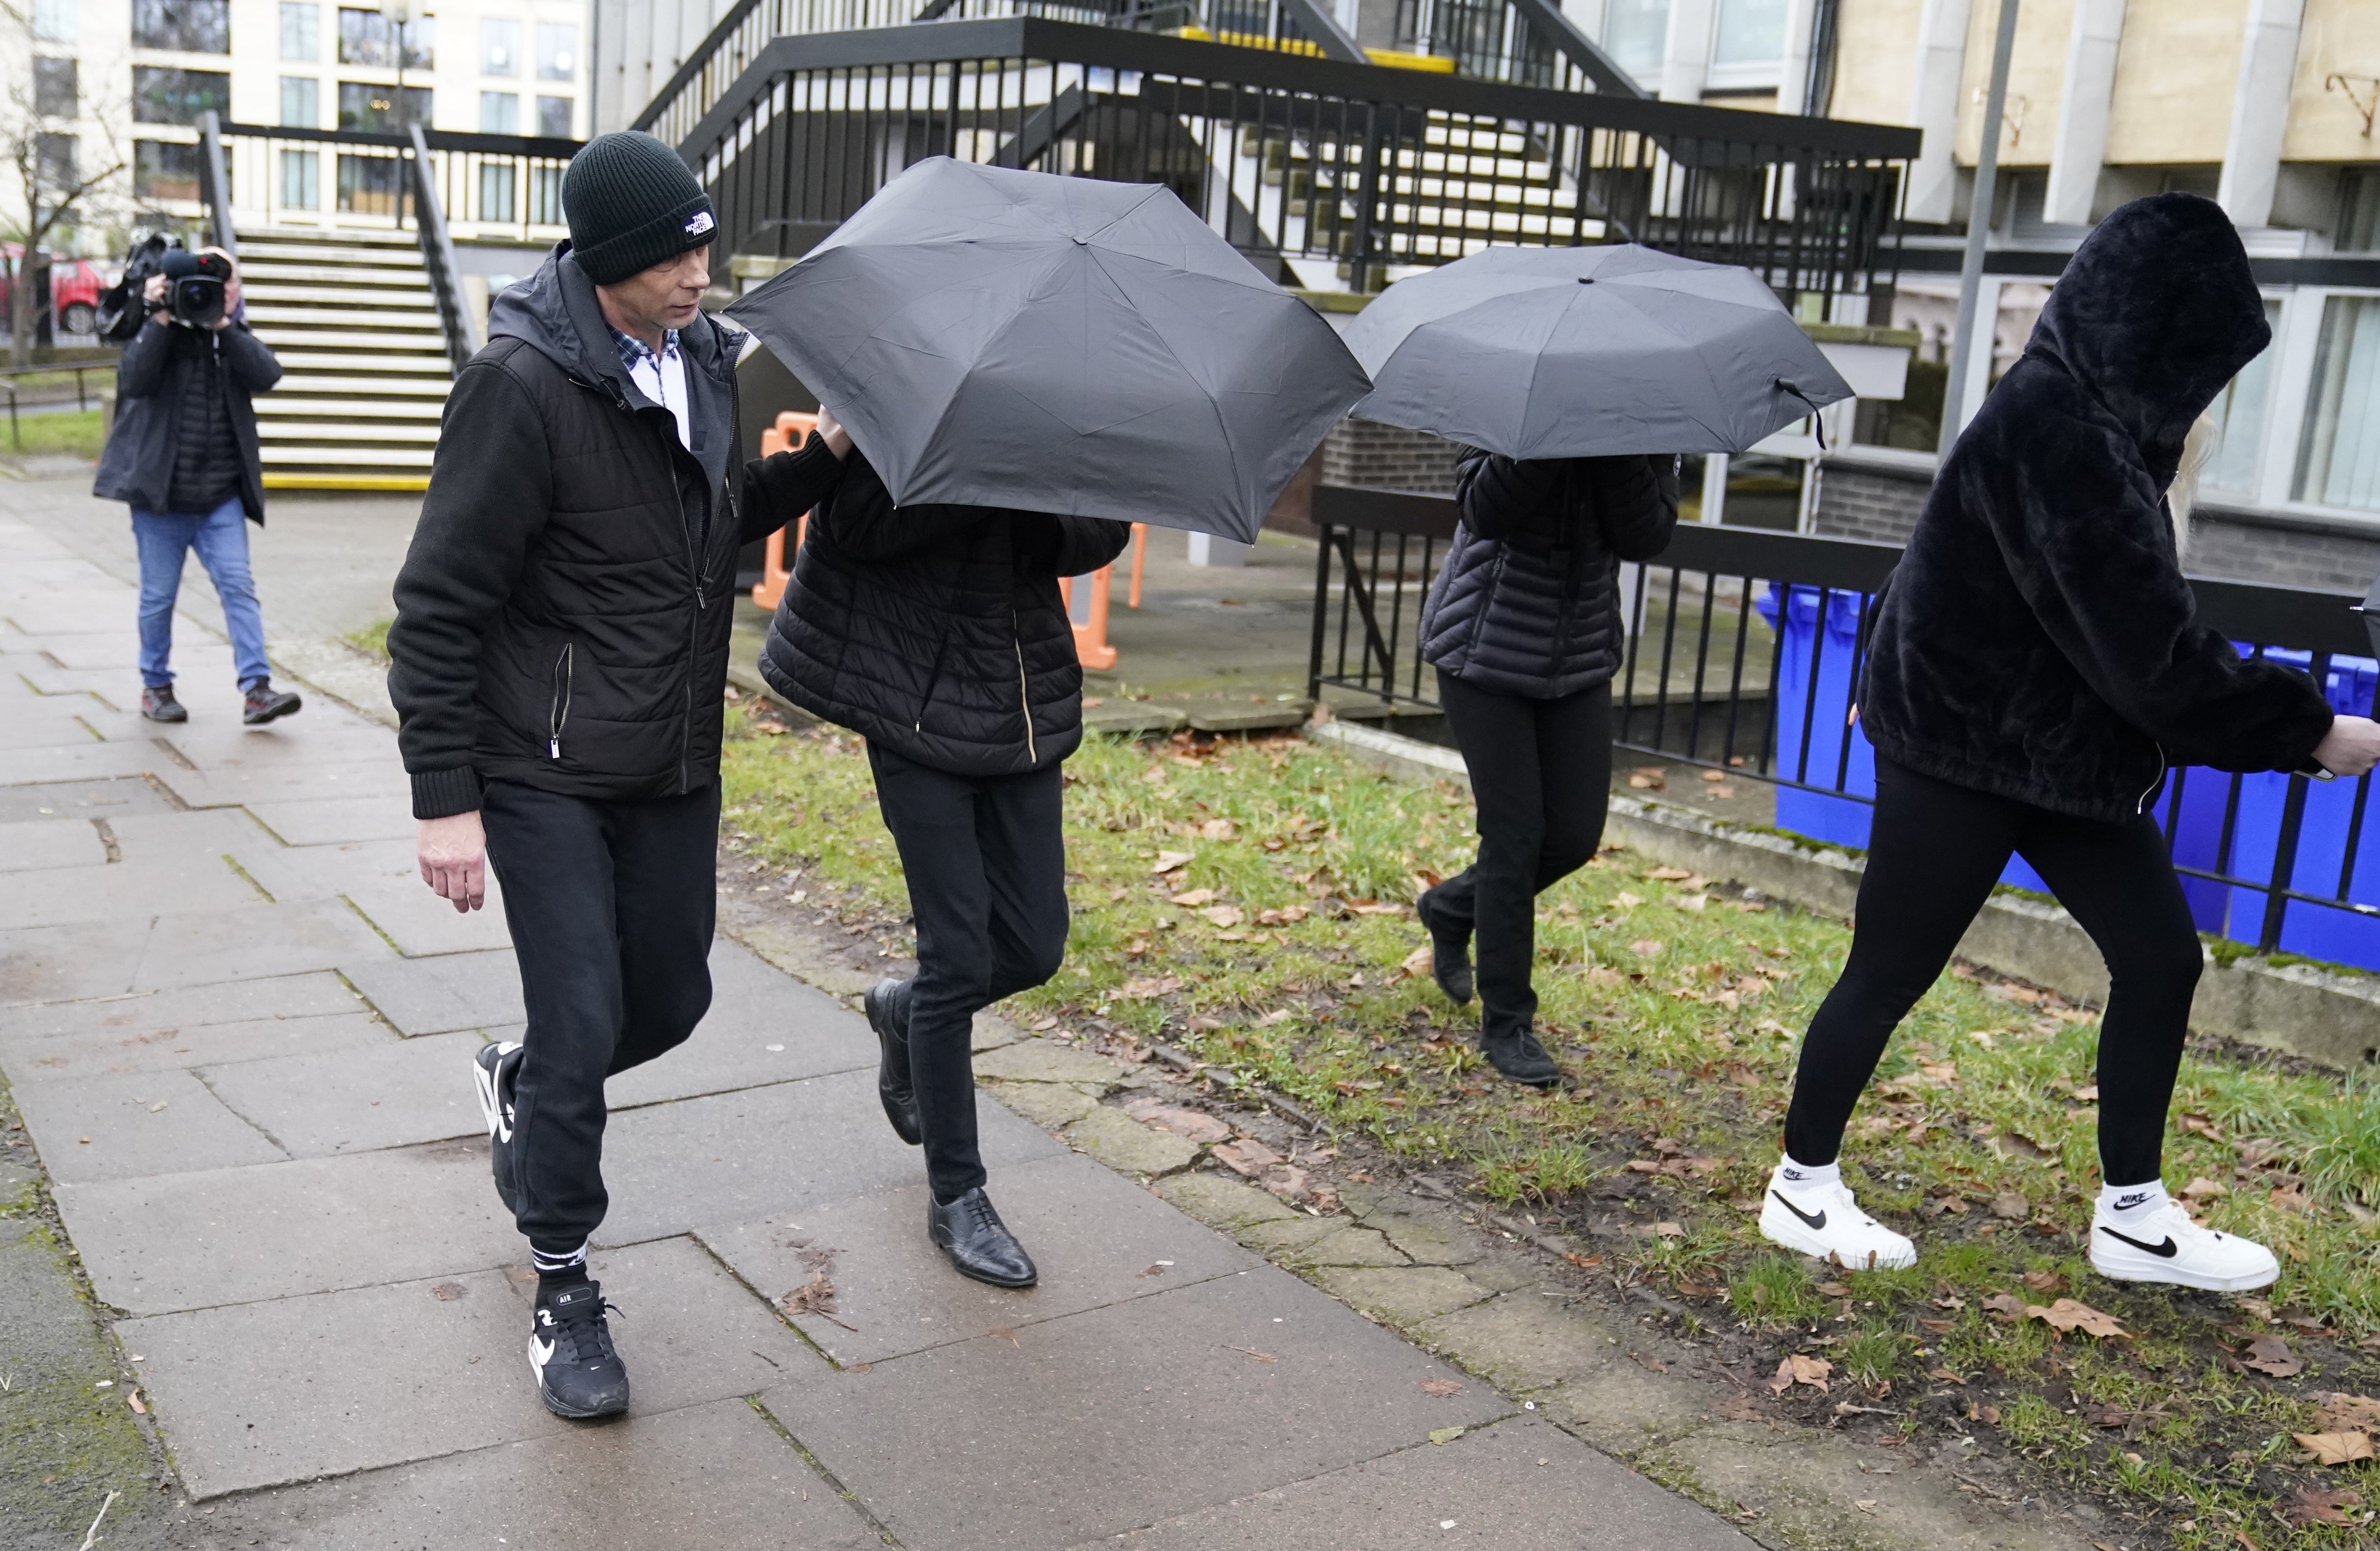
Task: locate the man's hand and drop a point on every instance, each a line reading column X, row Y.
column 152, row 292
column 2351, row 746
column 838, row 440
column 231, row 303
column 454, row 854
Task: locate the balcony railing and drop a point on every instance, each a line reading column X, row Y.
column 1744, row 657
column 506, row 187
column 1297, row 161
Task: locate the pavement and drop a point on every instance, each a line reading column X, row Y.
column 235, row 1027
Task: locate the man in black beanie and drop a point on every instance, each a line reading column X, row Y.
column 558, row 664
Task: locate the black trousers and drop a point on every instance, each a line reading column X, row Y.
column 984, row 857
column 1541, row 777
column 611, row 906
column 1932, row 856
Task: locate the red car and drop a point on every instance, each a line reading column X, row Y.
column 76, row 285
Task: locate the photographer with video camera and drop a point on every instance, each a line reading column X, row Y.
column 183, row 455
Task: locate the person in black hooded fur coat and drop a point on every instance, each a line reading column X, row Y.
column 1524, row 626
column 937, row 633
column 2037, row 667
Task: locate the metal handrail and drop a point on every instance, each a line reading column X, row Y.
column 438, row 257
column 218, row 191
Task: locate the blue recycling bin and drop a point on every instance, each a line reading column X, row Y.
column 1828, row 655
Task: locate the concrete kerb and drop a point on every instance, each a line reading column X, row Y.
column 2317, row 1014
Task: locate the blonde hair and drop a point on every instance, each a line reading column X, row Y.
column 2197, row 450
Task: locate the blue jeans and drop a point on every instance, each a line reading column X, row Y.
column 220, row 538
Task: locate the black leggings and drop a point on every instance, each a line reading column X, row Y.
column 1935, row 853
column 1541, row 777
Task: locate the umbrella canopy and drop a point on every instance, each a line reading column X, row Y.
column 1583, row 352
column 1004, row 338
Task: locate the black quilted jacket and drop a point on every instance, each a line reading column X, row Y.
column 2038, row 640
column 1527, row 604
column 936, row 631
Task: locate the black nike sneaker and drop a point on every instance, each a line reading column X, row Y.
column 494, row 1069
column 578, row 1374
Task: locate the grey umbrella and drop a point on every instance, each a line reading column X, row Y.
column 1580, row 352
column 1003, row 338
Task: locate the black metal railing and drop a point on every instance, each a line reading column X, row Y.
column 506, row 187
column 456, row 319
column 1744, row 656
column 1293, row 158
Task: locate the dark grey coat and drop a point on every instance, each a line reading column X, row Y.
column 151, row 381
column 2038, row 640
column 1527, row 601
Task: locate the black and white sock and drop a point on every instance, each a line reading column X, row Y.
column 559, row 1270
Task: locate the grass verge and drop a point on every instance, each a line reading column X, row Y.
column 74, row 432
column 1248, row 902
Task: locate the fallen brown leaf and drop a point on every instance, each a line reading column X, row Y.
column 1223, row 916
column 1669, row 875
column 2335, row 1448
column 2339, row 1412
column 1441, row 1388
column 2270, row 1354
column 1259, row 1356
column 1191, row 899
column 1417, row 963
column 2314, row 1505
column 132, row 1398
column 1945, row 1376
column 1169, row 860
column 2043, row 1282
column 1800, row 1369
column 2009, row 1207
column 1148, row 987
column 2067, row 1315
column 1645, row 947
column 2005, row 1306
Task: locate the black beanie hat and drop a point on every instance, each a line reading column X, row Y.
column 631, row 204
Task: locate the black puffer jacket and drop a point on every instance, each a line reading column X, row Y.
column 2038, row 640
column 1527, row 604
column 165, row 366
column 562, row 615
column 936, row 631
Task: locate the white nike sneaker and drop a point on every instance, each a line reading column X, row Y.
column 1828, row 1224
column 2165, row 1246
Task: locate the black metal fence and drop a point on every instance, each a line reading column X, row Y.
column 1293, row 158
column 1744, row 657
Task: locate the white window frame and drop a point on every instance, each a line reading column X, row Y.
column 2296, row 343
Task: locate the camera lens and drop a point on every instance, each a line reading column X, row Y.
column 197, row 300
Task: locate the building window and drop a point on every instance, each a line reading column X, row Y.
column 369, row 38
column 191, row 26
column 301, row 180
column 166, row 94
column 301, row 103
column 500, row 47
column 302, row 30
column 56, row 92
column 553, row 118
column 496, row 185
column 2358, row 212
column 557, row 51
column 499, row 112
column 164, row 170
column 381, row 110
column 2239, row 413
column 1636, row 34
column 1749, row 32
column 2338, row 463
column 57, row 160
column 54, row 21
column 372, row 185
column 545, row 197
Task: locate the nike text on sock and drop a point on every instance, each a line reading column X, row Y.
column 1805, row 1177
column 558, row 1265
column 2132, row 1200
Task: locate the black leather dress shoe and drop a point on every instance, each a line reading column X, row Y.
column 1450, row 954
column 888, row 1013
column 979, row 1243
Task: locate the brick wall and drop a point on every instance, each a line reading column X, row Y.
column 1877, row 505
column 1376, row 457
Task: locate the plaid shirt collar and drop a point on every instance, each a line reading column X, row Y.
column 632, row 350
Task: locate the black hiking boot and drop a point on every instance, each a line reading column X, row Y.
column 157, row 703
column 888, row 1013
column 578, row 1374
column 1450, row 954
column 263, row 703
column 977, row 1242
column 1521, row 1058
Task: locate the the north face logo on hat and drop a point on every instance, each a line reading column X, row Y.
column 698, row 223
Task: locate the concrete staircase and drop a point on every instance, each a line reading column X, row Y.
column 364, row 365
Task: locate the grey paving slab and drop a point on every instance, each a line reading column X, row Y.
column 91, row 1054
column 110, row 799
column 67, row 964
column 1109, row 1419
column 50, row 843
column 229, row 1001
column 61, row 896
column 1519, row 1483
column 225, row 788
column 277, row 1229
column 317, row 872
column 100, row 649
column 739, row 1157
column 121, row 1127
column 321, row 820
column 90, row 761
column 261, row 940
column 392, row 1094
column 763, row 1027
column 183, row 834
column 299, row 1387
column 317, row 736
column 422, row 924
column 708, row 1476
column 1097, row 1238
column 35, row 722
column 441, row 995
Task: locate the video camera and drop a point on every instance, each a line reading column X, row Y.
column 194, row 288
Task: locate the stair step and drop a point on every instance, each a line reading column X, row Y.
column 362, row 237
column 280, row 335
column 425, row 387
column 281, row 404
column 343, row 360
column 408, row 257
column 345, row 457
column 333, row 428
column 329, row 316
column 339, row 275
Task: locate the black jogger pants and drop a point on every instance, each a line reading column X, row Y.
column 1932, row 856
column 1541, row 777
column 984, row 857
column 611, row 905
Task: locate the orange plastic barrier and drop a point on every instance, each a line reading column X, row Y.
column 793, row 429
column 1091, row 640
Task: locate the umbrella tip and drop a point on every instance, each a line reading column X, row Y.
column 1586, row 280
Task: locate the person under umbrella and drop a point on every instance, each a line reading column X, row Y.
column 1581, row 373
column 2036, row 668
column 1031, row 357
